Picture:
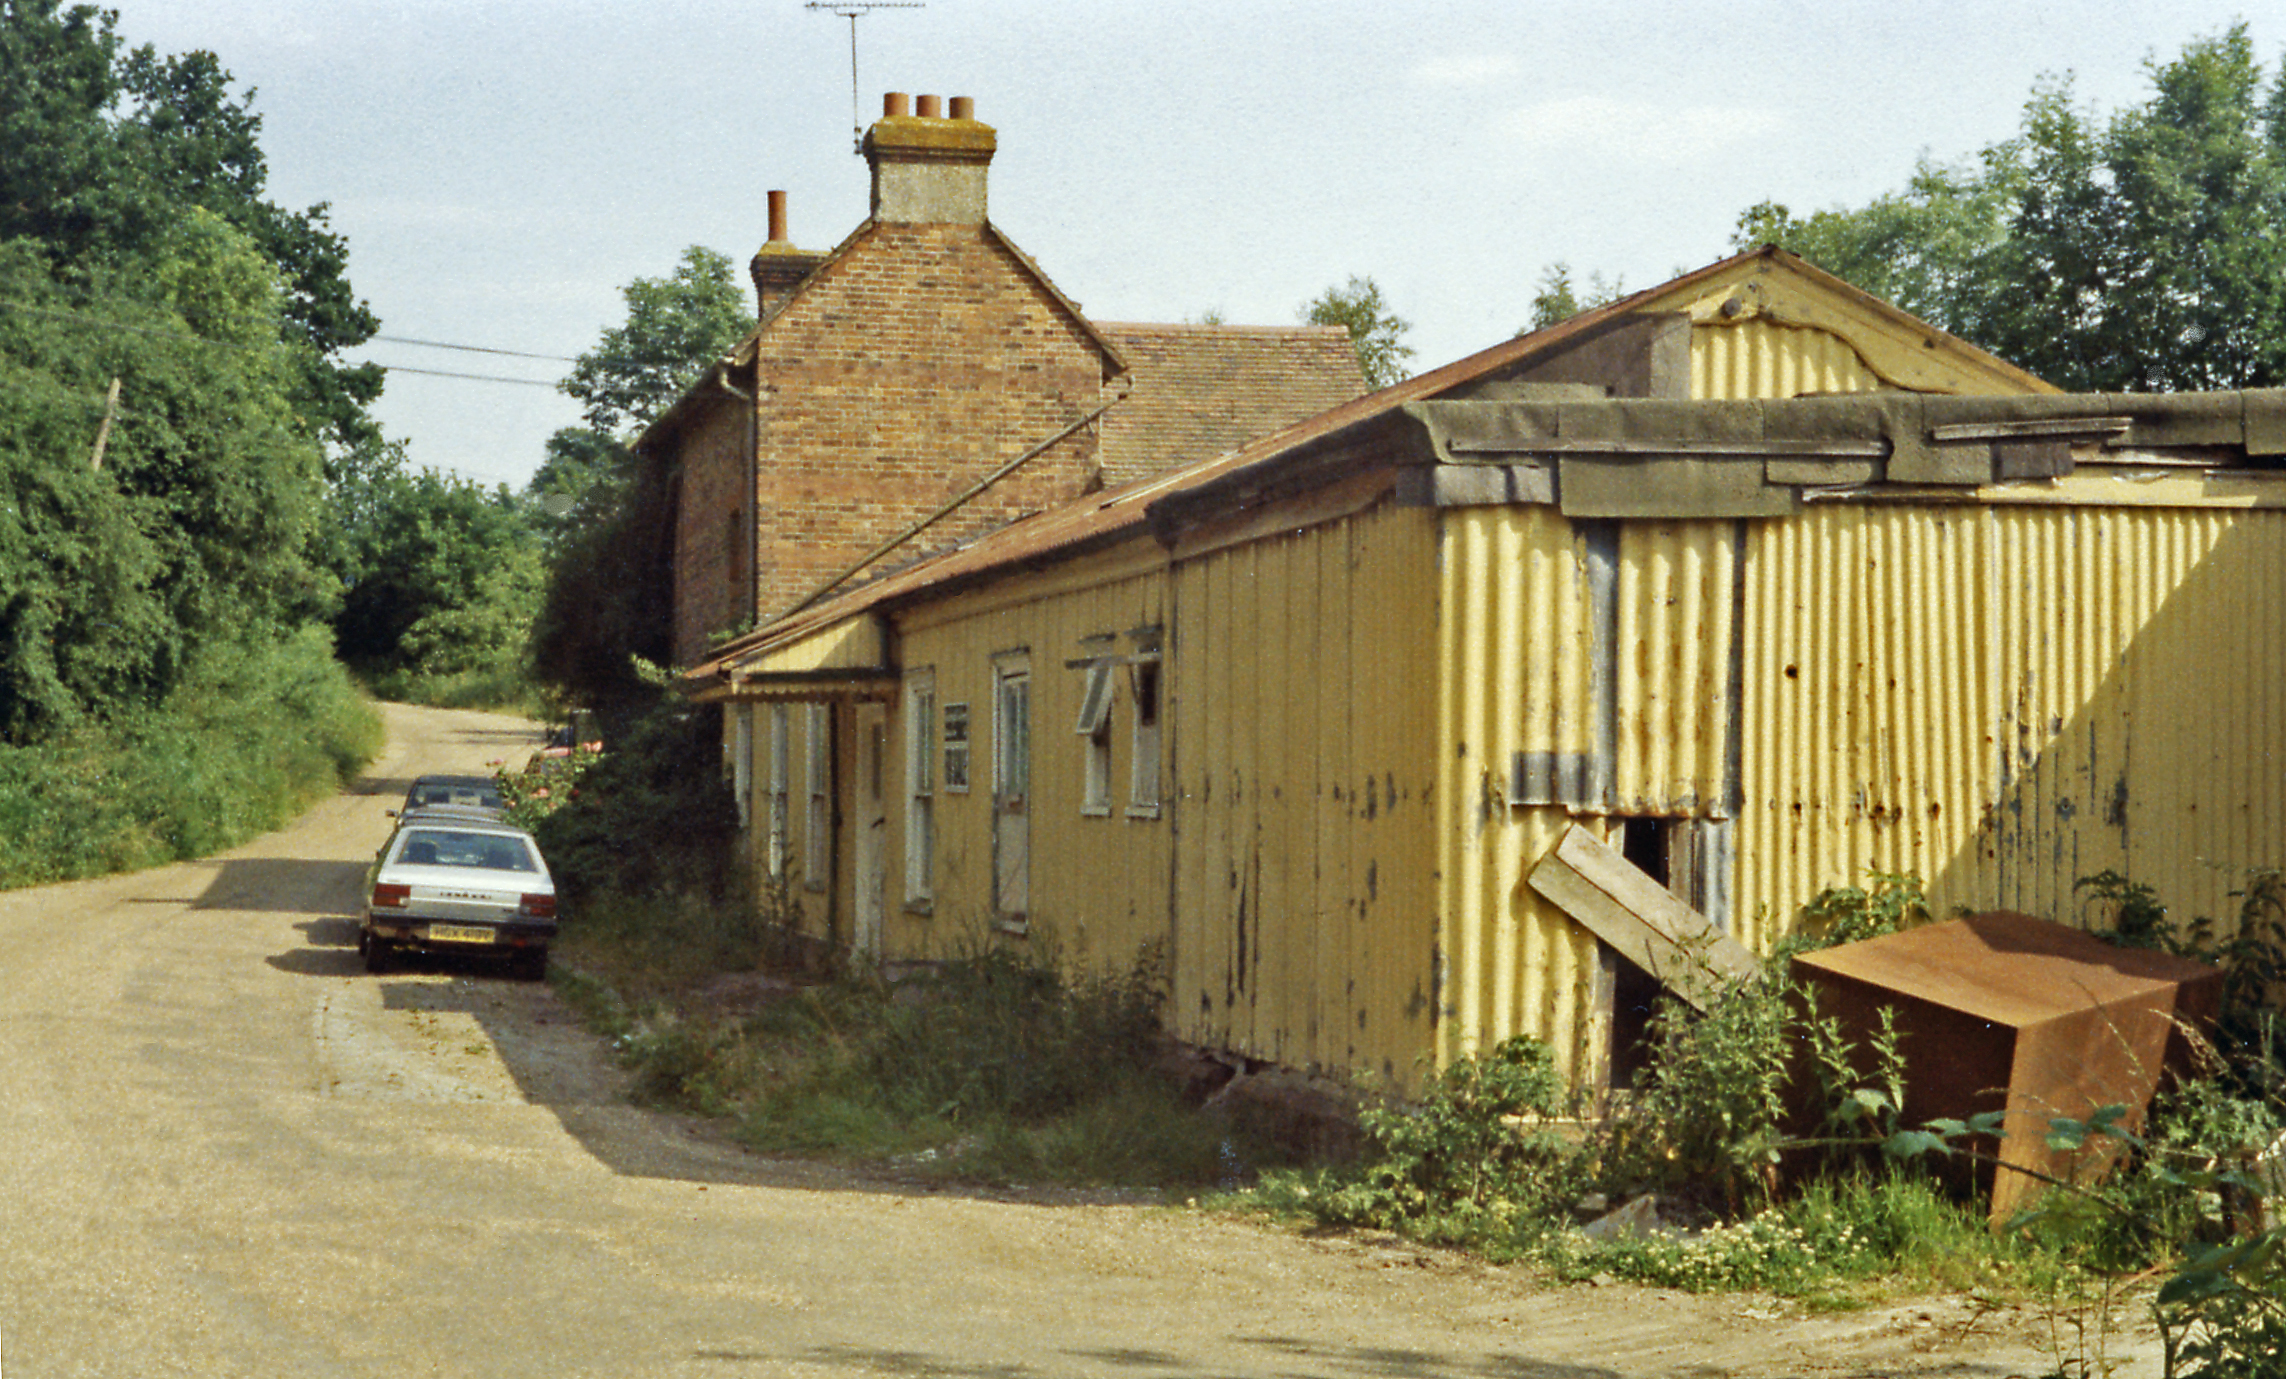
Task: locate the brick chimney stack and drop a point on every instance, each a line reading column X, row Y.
column 778, row 267
column 929, row 168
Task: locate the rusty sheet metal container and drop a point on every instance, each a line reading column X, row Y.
column 2005, row 1012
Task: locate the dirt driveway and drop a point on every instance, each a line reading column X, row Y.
column 228, row 1151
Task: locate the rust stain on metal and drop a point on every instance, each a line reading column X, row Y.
column 2007, row 1012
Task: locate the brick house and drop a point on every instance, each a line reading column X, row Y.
column 924, row 383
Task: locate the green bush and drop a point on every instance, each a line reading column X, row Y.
column 653, row 815
column 251, row 737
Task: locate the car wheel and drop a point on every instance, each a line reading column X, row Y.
column 376, row 954
column 529, row 964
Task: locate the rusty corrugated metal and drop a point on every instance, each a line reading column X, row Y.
column 2034, row 1020
column 1967, row 693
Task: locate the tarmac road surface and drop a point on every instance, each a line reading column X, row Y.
column 226, row 1150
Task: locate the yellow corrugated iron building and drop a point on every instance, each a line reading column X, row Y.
column 1312, row 719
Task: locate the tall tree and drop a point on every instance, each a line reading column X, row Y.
column 1560, row 299
column 1375, row 332
column 675, row 327
column 2141, row 250
column 610, row 598
column 101, row 151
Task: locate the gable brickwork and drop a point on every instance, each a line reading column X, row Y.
column 889, row 380
column 910, row 369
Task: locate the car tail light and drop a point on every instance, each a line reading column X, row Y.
column 540, row 906
column 389, row 895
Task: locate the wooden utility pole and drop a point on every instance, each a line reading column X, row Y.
column 110, row 414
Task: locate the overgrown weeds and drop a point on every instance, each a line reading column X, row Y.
column 995, row 1064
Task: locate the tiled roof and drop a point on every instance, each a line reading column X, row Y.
column 1200, row 390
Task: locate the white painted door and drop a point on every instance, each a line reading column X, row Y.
column 1011, row 794
column 872, row 830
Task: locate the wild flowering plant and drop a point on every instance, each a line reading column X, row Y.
column 542, row 788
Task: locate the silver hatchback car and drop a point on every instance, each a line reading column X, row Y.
column 453, row 881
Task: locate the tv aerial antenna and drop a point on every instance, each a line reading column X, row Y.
column 853, row 10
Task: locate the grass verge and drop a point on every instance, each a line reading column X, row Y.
column 992, row 1066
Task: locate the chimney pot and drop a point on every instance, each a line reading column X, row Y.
column 777, row 217
column 964, row 107
column 896, row 103
column 932, row 108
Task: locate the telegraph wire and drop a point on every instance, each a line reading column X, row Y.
column 193, row 337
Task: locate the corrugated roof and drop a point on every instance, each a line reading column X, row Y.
column 1203, row 389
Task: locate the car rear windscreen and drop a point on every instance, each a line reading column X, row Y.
column 446, row 847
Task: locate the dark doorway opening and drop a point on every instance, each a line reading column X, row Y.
column 1635, row 992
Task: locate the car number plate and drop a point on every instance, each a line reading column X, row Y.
column 459, row 933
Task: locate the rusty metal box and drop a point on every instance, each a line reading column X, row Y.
column 2006, row 1012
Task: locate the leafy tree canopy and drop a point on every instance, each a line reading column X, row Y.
column 610, row 596
column 441, row 575
column 1375, row 332
column 2143, row 250
column 156, row 495
column 676, row 326
column 1560, row 299
column 103, row 150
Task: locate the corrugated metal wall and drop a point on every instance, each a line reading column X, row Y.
column 2005, row 700
column 1303, row 676
column 1587, row 668
column 1758, row 358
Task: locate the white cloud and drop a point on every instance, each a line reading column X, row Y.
column 1464, row 69
column 1636, row 130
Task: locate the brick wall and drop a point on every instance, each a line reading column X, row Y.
column 711, row 539
column 915, row 363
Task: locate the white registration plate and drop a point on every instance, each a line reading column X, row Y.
column 459, row 933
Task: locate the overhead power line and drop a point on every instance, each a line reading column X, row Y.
column 472, row 349
column 194, row 338
column 477, row 377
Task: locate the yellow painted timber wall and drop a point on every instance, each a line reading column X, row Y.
column 1304, row 716
column 1098, row 883
column 2006, row 699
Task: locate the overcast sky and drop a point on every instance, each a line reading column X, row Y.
column 501, row 168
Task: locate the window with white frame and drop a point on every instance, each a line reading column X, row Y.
column 779, row 728
column 1143, row 772
column 1094, row 728
column 817, row 832
column 920, row 788
column 956, row 749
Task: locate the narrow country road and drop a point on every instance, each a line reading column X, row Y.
column 225, row 1150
